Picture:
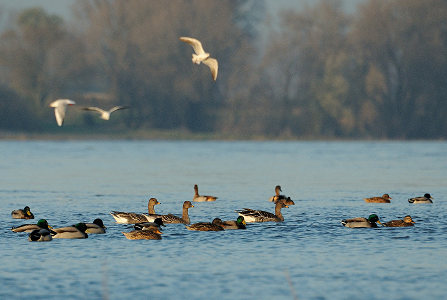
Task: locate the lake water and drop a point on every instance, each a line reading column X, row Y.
column 308, row 256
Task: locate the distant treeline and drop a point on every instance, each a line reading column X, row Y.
column 379, row 72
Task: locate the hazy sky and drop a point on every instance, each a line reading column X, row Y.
column 63, row 7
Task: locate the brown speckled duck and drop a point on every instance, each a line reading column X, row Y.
column 384, row 199
column 205, row 226
column 147, row 234
column 133, row 218
column 277, row 196
column 406, row 222
column 203, row 198
column 172, row 219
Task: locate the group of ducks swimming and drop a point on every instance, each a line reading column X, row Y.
column 373, row 219
column 148, row 226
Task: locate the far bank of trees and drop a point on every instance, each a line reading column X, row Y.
column 380, row 72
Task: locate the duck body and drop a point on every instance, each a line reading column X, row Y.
column 22, row 213
column 362, row 222
column 97, row 227
column 133, row 218
column 406, row 222
column 203, row 198
column 71, row 232
column 229, row 225
column 427, row 198
column 149, row 234
column 251, row 216
column 40, row 235
column 277, row 195
column 205, row 226
column 172, row 219
column 158, row 222
column 384, row 199
column 41, row 224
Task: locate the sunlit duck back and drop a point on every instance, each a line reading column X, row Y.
column 384, row 199
column 198, row 198
column 41, row 224
column 362, row 222
column 22, row 213
column 148, row 234
column 406, row 222
column 40, row 235
column 427, row 198
column 96, row 227
column 251, row 215
column 133, row 218
column 71, row 232
column 205, row 226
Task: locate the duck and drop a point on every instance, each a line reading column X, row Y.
column 199, row 198
column 148, row 234
column 22, row 213
column 427, row 198
column 96, row 227
column 277, row 196
column 158, row 222
column 133, row 218
column 384, row 199
column 201, row 56
column 362, row 222
column 405, row 222
column 40, row 235
column 238, row 224
column 172, row 219
column 41, row 224
column 251, row 215
column 71, row 232
column 205, row 226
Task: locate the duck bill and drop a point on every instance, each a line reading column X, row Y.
column 243, row 222
column 380, row 222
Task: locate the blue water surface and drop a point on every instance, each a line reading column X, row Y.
column 308, row 256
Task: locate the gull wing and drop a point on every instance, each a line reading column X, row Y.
column 196, row 44
column 117, row 108
column 93, row 108
column 213, row 65
column 59, row 112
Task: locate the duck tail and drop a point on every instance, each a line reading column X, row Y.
column 344, row 222
column 411, row 200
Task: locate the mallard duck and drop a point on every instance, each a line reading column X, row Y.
column 172, row 219
column 40, row 235
column 251, row 215
column 362, row 222
column 133, row 218
column 277, row 196
column 198, row 198
column 41, row 224
column 427, row 198
column 22, row 213
column 148, row 234
column 71, row 232
column 205, row 226
column 238, row 224
column 158, row 222
column 384, row 199
column 406, row 222
column 96, row 227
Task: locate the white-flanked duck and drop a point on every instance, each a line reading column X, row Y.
column 251, row 215
column 203, row 198
column 427, row 198
column 133, row 218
